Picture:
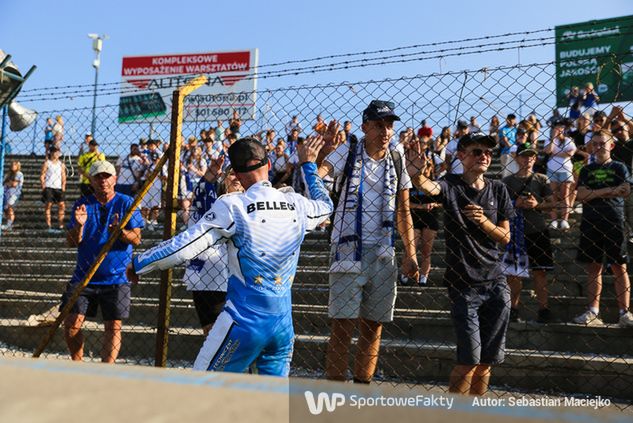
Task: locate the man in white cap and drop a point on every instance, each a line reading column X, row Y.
column 93, row 218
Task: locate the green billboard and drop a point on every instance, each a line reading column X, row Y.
column 599, row 52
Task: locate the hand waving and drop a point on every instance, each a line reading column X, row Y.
column 416, row 159
column 308, row 151
column 81, row 215
column 330, row 137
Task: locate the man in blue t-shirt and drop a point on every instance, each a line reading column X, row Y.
column 93, row 218
column 507, row 138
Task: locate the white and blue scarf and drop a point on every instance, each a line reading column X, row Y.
column 347, row 232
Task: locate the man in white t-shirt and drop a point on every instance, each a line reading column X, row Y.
column 130, row 170
column 363, row 269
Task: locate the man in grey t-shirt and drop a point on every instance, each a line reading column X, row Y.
column 532, row 196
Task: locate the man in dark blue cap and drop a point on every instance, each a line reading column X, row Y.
column 374, row 201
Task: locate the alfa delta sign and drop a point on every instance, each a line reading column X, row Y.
column 149, row 81
column 600, row 52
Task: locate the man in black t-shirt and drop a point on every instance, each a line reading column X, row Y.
column 476, row 221
column 602, row 187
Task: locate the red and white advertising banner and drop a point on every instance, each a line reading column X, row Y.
column 149, row 81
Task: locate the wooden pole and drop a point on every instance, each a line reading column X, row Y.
column 171, row 206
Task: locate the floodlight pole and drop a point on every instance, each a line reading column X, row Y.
column 97, row 46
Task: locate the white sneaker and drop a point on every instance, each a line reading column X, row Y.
column 588, row 318
column 564, row 225
column 626, row 320
column 553, row 224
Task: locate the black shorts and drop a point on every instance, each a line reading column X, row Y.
column 113, row 299
column 423, row 219
column 52, row 195
column 480, row 315
column 602, row 243
column 209, row 305
column 539, row 250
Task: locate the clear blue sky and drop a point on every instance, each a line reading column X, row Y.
column 53, row 34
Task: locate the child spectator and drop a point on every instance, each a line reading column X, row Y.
column 602, row 187
column 560, row 173
column 13, row 182
column 532, row 196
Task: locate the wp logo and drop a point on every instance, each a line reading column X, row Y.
column 315, row 405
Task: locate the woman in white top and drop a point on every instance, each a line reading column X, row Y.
column 53, row 181
column 560, row 173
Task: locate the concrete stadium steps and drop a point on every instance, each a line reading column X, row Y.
column 404, row 361
column 410, row 324
column 568, row 279
column 315, row 249
column 313, row 289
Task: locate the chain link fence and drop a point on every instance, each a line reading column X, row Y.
column 540, row 319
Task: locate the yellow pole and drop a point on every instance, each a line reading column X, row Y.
column 177, row 107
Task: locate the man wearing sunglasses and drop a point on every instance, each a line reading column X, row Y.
column 477, row 211
column 93, row 218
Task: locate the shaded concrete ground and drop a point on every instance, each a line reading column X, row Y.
column 61, row 391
